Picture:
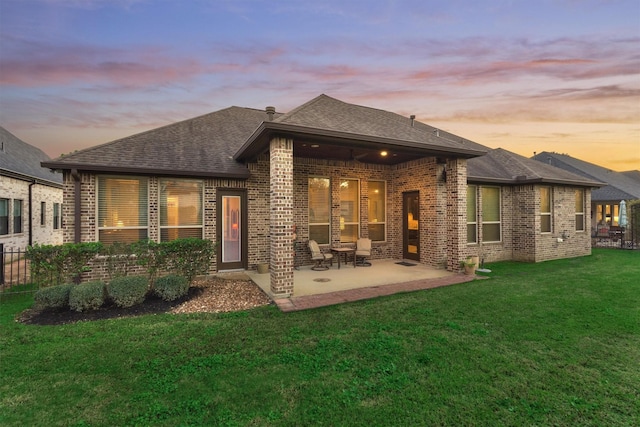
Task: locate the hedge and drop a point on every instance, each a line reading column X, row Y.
column 87, row 296
column 53, row 296
column 171, row 287
column 128, row 291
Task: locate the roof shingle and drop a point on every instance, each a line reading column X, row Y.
column 23, row 159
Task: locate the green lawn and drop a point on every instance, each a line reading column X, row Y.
column 556, row 343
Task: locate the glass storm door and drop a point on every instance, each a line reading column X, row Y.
column 231, row 229
column 411, row 226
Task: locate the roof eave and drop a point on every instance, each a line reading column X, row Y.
column 145, row 171
column 30, row 178
column 257, row 142
column 537, row 180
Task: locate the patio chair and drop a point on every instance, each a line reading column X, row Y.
column 363, row 252
column 319, row 257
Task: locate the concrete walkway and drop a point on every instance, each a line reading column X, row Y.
column 314, row 289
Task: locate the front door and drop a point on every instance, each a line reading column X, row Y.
column 231, row 229
column 411, row 225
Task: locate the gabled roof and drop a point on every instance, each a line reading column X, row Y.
column 504, row 167
column 620, row 186
column 202, row 146
column 354, row 125
column 22, row 161
column 633, row 174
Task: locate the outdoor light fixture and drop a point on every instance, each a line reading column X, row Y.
column 314, row 146
column 383, row 153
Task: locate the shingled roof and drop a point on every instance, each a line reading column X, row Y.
column 619, row 186
column 21, row 160
column 352, row 124
column 202, row 146
column 218, row 143
column 504, row 167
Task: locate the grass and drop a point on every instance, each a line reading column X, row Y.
column 556, row 343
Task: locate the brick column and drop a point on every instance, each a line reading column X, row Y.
column 281, row 215
column 456, row 222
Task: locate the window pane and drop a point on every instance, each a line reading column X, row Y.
column 43, row 213
column 123, row 236
column 472, row 235
column 580, row 222
column 545, row 199
column 490, row 204
column 545, row 223
column 377, row 210
column 4, row 216
column 376, row 232
column 349, row 234
column 122, row 202
column 319, row 201
column 168, row 234
column 471, row 204
column 349, row 200
column 319, row 233
column 491, row 232
column 56, row 215
column 17, row 216
column 376, row 201
column 579, row 201
column 180, row 202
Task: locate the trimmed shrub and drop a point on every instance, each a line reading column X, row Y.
column 171, row 287
column 53, row 296
column 189, row 256
column 128, row 291
column 86, row 296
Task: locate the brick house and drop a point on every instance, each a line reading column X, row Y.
column 30, row 196
column 605, row 201
column 262, row 183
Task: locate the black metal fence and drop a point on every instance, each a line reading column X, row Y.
column 15, row 268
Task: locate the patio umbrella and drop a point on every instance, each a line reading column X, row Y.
column 622, row 221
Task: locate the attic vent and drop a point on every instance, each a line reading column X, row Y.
column 413, row 119
column 270, row 112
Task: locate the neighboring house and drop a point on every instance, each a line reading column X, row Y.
column 605, row 201
column 30, row 196
column 520, row 209
column 261, row 184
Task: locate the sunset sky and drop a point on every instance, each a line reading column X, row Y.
column 527, row 76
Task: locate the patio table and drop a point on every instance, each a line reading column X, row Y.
column 345, row 251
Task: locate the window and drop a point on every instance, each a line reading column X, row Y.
column 122, row 209
column 56, row 216
column 4, row 216
column 545, row 209
column 180, row 209
column 349, row 210
column 608, row 215
column 377, row 211
column 472, row 214
column 319, row 210
column 17, row 216
column 43, row 213
column 579, row 210
column 491, row 214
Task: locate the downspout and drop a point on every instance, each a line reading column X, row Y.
column 77, row 205
column 31, row 212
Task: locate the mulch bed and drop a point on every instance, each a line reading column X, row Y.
column 212, row 295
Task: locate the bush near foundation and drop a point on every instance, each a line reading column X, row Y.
column 128, row 291
column 53, row 297
column 171, row 287
column 87, row 296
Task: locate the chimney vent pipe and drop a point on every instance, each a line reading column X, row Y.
column 270, row 112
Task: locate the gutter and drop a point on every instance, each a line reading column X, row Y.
column 34, row 182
